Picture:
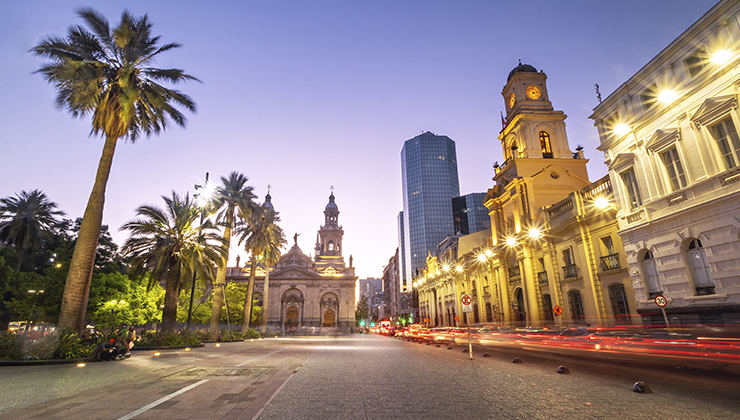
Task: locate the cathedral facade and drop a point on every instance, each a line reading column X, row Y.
column 307, row 293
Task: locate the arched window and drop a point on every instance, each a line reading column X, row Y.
column 545, row 144
column 489, row 312
column 576, row 306
column 651, row 274
column 702, row 275
column 619, row 303
column 331, row 246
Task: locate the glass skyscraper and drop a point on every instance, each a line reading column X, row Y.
column 470, row 214
column 430, row 182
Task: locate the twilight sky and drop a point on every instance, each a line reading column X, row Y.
column 303, row 95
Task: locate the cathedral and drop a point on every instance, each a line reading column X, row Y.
column 308, row 293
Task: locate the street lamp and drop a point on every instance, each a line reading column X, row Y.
column 203, row 200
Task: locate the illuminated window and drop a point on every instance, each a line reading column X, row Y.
column 727, row 141
column 633, row 192
column 545, row 144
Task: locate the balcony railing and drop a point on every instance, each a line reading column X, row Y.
column 610, row 262
column 570, row 271
column 561, row 207
column 514, row 272
column 542, row 277
column 485, row 291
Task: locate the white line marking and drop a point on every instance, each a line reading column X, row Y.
column 161, row 400
column 250, row 361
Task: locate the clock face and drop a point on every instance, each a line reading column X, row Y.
column 533, row 92
column 512, row 100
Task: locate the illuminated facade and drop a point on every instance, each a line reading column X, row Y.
column 669, row 135
column 305, row 292
column 553, row 240
column 430, row 182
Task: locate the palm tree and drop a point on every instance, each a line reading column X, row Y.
column 234, row 198
column 168, row 244
column 270, row 255
column 106, row 73
column 26, row 220
column 260, row 234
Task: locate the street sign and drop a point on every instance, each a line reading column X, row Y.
column 467, row 303
column 661, row 301
column 558, row 310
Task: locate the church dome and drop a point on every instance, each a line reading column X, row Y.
column 332, row 205
column 521, row 68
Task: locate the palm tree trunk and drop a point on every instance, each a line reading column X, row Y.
column 169, row 314
column 21, row 251
column 77, row 287
column 250, row 294
column 265, row 297
column 218, row 292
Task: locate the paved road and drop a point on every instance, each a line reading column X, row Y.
column 359, row 377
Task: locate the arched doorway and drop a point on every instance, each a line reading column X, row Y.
column 291, row 316
column 521, row 312
column 328, row 318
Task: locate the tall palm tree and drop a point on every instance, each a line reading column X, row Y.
column 26, row 220
column 270, row 255
column 168, row 244
column 260, row 233
column 106, row 72
column 234, row 198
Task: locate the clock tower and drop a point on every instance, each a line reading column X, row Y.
column 534, row 139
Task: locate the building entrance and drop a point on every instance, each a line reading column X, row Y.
column 292, row 316
column 329, row 318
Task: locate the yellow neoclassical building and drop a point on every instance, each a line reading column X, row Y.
column 553, row 256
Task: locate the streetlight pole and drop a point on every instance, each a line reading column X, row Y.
column 200, row 233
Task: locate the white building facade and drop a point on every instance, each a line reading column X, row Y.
column 670, row 139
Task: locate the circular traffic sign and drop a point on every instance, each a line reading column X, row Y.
column 466, row 300
column 661, row 301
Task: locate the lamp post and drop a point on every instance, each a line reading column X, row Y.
column 203, row 201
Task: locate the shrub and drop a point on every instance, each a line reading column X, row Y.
column 10, row 347
column 156, row 339
column 71, row 346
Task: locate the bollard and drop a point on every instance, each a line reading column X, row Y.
column 486, row 355
column 516, row 360
column 437, row 345
column 449, row 348
column 563, row 369
column 465, row 350
column 641, row 388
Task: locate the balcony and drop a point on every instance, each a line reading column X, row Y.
column 610, row 262
column 514, row 272
column 542, row 277
column 486, row 291
column 474, row 293
column 570, row 271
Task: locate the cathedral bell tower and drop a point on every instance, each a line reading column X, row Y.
column 329, row 240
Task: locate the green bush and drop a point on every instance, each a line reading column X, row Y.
column 70, row 346
column 40, row 349
column 156, row 339
column 10, row 347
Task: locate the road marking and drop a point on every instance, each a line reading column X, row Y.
column 250, row 361
column 161, row 400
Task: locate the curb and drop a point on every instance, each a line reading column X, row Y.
column 44, row 362
column 135, row 348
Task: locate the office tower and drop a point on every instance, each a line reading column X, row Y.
column 469, row 213
column 430, row 182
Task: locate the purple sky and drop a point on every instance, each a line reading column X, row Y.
column 303, row 95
